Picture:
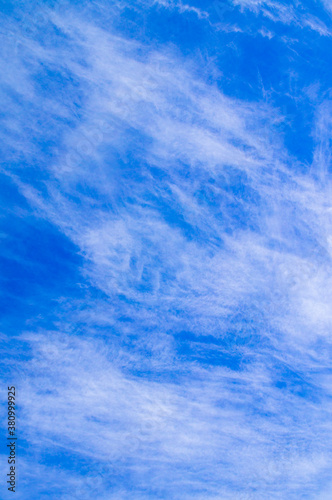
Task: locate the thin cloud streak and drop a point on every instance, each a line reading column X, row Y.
column 205, row 357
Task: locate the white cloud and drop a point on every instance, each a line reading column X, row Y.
column 290, row 13
column 186, row 203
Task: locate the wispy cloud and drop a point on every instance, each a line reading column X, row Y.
column 198, row 359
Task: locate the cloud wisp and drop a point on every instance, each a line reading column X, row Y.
column 193, row 359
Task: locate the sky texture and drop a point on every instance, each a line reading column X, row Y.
column 166, row 248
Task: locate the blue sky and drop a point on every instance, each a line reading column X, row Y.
column 166, row 248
